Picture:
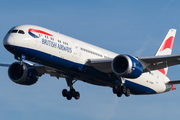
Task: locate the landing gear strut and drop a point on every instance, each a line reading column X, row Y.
column 72, row 92
column 119, row 90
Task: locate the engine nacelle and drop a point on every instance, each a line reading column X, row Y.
column 22, row 74
column 126, row 66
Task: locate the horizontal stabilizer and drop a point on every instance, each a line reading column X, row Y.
column 173, row 82
column 5, row 65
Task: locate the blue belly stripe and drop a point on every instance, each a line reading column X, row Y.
column 138, row 89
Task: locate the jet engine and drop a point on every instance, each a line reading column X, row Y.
column 126, row 66
column 22, row 74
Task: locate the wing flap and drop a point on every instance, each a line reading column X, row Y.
column 51, row 71
column 103, row 65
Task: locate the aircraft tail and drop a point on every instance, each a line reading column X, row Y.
column 166, row 47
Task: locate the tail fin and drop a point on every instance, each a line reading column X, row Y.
column 166, row 47
column 167, row 44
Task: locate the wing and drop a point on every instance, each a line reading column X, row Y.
column 148, row 63
column 41, row 69
column 159, row 62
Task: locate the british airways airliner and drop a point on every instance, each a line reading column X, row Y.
column 64, row 57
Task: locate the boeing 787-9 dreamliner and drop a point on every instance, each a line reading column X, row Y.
column 61, row 56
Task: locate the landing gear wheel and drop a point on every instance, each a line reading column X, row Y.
column 115, row 90
column 77, row 95
column 64, row 93
column 128, row 92
column 69, row 96
column 123, row 89
column 73, row 92
column 119, row 94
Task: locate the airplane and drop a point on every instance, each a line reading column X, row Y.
column 41, row 51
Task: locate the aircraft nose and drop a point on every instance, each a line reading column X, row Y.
column 8, row 40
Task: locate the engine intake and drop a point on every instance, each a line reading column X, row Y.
column 126, row 66
column 22, row 74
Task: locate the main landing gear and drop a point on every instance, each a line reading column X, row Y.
column 119, row 90
column 72, row 92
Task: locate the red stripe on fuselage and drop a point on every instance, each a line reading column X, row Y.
column 39, row 31
column 168, row 43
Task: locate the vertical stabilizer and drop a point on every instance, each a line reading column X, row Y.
column 166, row 47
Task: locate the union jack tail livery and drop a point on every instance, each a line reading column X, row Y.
column 166, row 47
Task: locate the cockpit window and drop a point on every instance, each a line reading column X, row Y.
column 16, row 31
column 21, row 31
column 13, row 31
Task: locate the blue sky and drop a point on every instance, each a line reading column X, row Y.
column 125, row 27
